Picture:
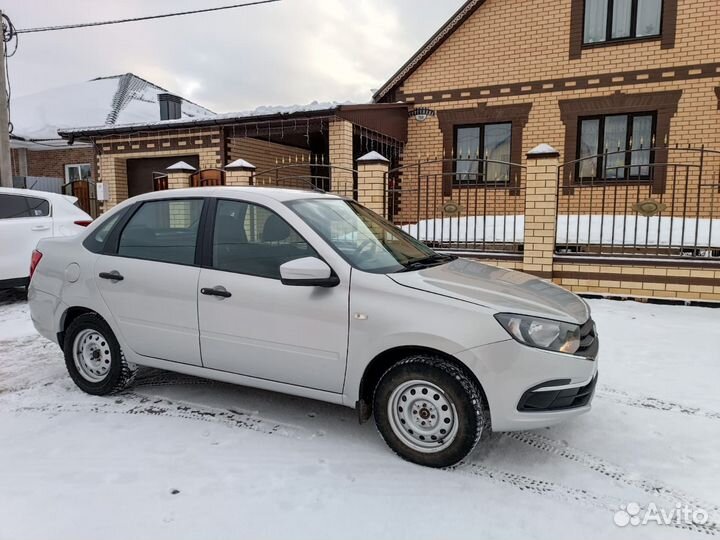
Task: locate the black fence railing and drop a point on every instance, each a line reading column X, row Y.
column 309, row 175
column 475, row 205
column 645, row 202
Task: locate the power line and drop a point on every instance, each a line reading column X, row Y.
column 137, row 19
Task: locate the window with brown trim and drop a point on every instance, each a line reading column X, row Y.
column 516, row 116
column 608, row 22
column 616, row 147
column 615, row 20
column 663, row 105
column 482, row 154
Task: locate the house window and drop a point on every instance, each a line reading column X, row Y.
column 78, row 171
column 612, row 20
column 483, row 154
column 616, row 147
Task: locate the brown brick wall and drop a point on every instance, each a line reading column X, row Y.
column 52, row 162
column 267, row 156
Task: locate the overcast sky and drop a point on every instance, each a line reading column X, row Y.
column 294, row 51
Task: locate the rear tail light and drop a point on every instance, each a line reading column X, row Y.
column 83, row 222
column 34, row 260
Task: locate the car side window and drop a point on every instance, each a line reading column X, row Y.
column 19, row 206
column 251, row 239
column 164, row 231
column 96, row 241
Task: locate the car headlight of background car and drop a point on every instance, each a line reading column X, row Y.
column 542, row 333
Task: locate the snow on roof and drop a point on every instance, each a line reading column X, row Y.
column 258, row 112
column 181, row 166
column 120, row 99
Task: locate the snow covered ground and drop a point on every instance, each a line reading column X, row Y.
column 178, row 457
column 617, row 230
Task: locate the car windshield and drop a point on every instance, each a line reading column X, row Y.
column 364, row 239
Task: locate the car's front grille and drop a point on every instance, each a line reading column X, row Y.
column 589, row 342
column 535, row 400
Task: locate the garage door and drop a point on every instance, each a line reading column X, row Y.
column 140, row 171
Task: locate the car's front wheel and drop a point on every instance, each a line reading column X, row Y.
column 429, row 411
column 94, row 358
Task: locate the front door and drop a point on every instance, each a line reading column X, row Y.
column 150, row 285
column 264, row 329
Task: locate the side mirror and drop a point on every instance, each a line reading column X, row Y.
column 308, row 272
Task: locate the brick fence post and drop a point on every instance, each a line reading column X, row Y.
column 179, row 175
column 340, row 135
column 372, row 173
column 239, row 173
column 541, row 210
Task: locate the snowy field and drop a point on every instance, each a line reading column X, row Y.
column 184, row 458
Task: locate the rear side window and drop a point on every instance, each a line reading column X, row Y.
column 96, row 241
column 164, row 231
column 19, row 206
column 251, row 239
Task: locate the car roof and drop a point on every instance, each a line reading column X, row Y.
column 53, row 197
column 278, row 194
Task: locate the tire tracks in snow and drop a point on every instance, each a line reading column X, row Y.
column 560, row 492
column 652, row 403
column 137, row 404
column 611, row 471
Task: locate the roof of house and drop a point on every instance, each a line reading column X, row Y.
column 359, row 114
column 107, row 101
column 259, row 114
column 460, row 16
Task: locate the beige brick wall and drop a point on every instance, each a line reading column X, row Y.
column 341, row 156
column 115, row 151
column 500, row 44
column 663, row 282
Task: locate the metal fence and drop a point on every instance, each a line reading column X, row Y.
column 473, row 205
column 645, row 202
column 317, row 176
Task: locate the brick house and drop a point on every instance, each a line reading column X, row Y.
column 41, row 157
column 578, row 140
column 626, row 96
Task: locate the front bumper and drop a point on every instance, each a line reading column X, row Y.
column 529, row 388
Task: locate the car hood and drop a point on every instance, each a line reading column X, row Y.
column 499, row 289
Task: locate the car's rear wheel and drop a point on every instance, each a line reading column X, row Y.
column 429, row 411
column 94, row 358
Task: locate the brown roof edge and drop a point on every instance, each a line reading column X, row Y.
column 389, row 119
column 460, row 16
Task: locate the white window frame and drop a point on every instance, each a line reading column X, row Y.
column 78, row 165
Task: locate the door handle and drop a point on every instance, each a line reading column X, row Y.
column 40, row 228
column 216, row 291
column 112, row 276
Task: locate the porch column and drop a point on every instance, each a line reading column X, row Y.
column 112, row 172
column 372, row 173
column 341, row 156
column 239, row 173
column 541, row 210
column 179, row 175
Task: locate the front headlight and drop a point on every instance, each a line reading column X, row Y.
column 542, row 333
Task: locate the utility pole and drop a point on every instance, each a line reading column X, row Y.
column 5, row 164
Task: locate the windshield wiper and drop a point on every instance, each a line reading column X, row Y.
column 427, row 262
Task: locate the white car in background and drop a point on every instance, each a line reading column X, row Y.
column 27, row 216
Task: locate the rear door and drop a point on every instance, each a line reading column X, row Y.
column 23, row 222
column 150, row 280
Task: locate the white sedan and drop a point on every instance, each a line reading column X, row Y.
column 316, row 296
column 27, row 216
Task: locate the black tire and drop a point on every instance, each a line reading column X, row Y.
column 121, row 373
column 462, row 392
